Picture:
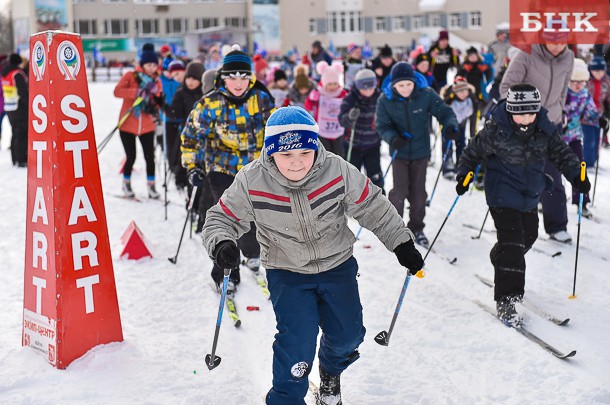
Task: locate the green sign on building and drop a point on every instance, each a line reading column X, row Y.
column 109, row 45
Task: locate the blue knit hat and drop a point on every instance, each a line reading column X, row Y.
column 402, row 71
column 597, row 63
column 148, row 55
column 290, row 128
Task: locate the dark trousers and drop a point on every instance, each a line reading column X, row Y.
column 2, row 114
column 248, row 244
column 517, row 232
column 303, row 303
column 576, row 146
column 174, row 156
column 410, row 183
column 334, row 145
column 19, row 140
column 554, row 209
column 370, row 159
column 147, row 141
column 460, row 144
column 590, row 144
column 204, row 200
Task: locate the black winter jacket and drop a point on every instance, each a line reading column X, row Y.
column 514, row 174
column 183, row 102
column 365, row 134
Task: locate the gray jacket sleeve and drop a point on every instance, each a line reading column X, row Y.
column 230, row 217
column 365, row 202
column 515, row 73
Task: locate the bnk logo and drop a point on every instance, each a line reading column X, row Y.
column 558, row 22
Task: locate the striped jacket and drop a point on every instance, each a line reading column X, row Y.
column 224, row 132
column 302, row 226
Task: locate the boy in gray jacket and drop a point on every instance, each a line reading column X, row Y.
column 299, row 196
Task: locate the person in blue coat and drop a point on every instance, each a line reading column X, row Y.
column 404, row 112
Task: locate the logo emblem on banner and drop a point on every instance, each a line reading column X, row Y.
column 39, row 55
column 68, row 60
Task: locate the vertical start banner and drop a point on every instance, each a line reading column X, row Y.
column 70, row 303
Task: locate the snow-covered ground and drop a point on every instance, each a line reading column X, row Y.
column 444, row 348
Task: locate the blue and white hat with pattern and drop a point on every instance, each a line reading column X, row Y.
column 290, row 128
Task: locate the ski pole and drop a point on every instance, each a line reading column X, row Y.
column 188, row 214
column 164, row 123
column 439, row 172
column 469, row 177
column 476, row 174
column 351, row 141
column 482, row 226
column 385, row 174
column 583, row 173
column 105, row 141
column 599, row 145
column 211, row 360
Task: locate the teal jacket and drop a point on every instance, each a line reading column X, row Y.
column 410, row 117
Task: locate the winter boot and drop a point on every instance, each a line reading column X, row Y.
column 126, row 187
column 507, row 313
column 330, row 389
column 421, row 240
column 231, row 289
column 254, row 263
column 586, row 213
column 152, row 192
column 561, row 236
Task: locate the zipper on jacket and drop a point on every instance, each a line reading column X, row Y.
column 309, row 238
column 409, row 125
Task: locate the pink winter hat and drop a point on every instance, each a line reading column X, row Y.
column 329, row 74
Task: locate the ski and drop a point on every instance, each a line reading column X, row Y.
column 451, row 260
column 530, row 306
column 260, row 279
column 124, row 197
column 530, row 335
column 233, row 312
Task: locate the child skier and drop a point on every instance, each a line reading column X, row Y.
column 403, row 119
column 301, row 87
column 515, row 143
column 225, row 131
column 579, row 107
column 357, row 116
column 279, row 87
column 310, row 267
column 324, row 104
column 144, row 83
column 460, row 96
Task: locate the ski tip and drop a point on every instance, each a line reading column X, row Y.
column 453, row 261
column 475, row 237
column 558, row 253
column 564, row 322
column 237, row 323
column 567, row 356
column 382, row 338
column 212, row 363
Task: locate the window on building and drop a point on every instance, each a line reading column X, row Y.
column 418, row 22
column 313, row 29
column 475, row 19
column 233, row 22
column 340, row 22
column 201, row 23
column 455, row 20
column 380, row 24
column 86, row 27
column 147, row 26
column 398, row 24
column 176, row 25
column 116, row 27
column 435, row 20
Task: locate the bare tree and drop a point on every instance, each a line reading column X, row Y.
column 6, row 33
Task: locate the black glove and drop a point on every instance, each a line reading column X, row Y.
column 584, row 186
column 460, row 188
column 353, row 114
column 452, row 133
column 409, row 257
column 196, row 177
column 226, row 255
column 398, row 142
column 603, row 123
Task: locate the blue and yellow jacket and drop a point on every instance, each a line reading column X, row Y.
column 224, row 132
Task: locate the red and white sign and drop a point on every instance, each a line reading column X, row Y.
column 70, row 303
column 558, row 22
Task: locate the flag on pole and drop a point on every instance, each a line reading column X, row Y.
column 98, row 56
column 367, row 52
column 296, row 52
column 332, row 49
column 259, row 50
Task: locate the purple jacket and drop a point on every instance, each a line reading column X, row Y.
column 579, row 108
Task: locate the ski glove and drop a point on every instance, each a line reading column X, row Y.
column 460, row 188
column 226, row 255
column 196, row 177
column 409, row 257
column 452, row 133
column 399, row 142
column 584, row 186
column 353, row 114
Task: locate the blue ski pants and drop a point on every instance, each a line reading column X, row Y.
column 302, row 304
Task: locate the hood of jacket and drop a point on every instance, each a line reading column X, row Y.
column 386, row 86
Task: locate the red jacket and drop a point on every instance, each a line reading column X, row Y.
column 127, row 89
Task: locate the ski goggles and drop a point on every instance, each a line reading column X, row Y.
column 236, row 75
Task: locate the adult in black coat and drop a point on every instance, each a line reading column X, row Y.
column 16, row 97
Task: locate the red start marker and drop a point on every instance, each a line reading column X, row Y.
column 134, row 243
column 70, row 302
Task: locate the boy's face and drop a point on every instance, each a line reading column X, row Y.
column 282, row 83
column 423, row 66
column 462, row 94
column 473, row 57
column 404, row 88
column 294, row 164
column 192, row 83
column 178, row 75
column 150, row 68
column 524, row 119
column 237, row 85
column 367, row 92
column 386, row 60
column 331, row 86
column 598, row 74
column 303, row 90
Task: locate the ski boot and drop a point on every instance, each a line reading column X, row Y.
column 152, row 192
column 126, row 187
column 421, row 240
column 507, row 313
column 330, row 389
